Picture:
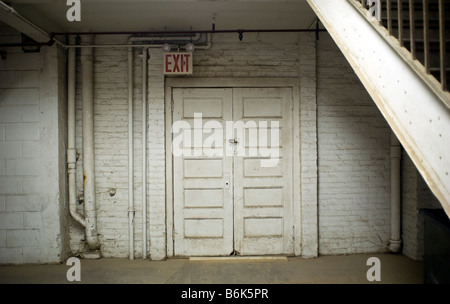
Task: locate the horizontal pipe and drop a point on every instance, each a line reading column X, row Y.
column 53, row 39
column 189, row 32
column 49, row 43
column 238, row 31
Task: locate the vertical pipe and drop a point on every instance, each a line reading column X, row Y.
column 130, row 157
column 395, row 241
column 71, row 150
column 87, row 68
column 144, row 153
column 442, row 43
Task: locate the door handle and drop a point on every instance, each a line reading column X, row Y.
column 233, row 141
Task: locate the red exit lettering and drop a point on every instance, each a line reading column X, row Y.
column 178, row 63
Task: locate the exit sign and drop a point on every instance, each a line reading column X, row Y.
column 178, row 63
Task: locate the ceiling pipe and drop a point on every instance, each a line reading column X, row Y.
column 240, row 33
column 164, row 34
column 191, row 32
column 53, row 39
column 200, row 42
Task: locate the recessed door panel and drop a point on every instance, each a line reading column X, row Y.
column 203, row 202
column 263, row 184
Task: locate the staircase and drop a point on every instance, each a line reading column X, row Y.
column 421, row 37
column 400, row 51
column 416, row 24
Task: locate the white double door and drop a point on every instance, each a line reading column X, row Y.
column 232, row 193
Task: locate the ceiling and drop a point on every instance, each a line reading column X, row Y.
column 148, row 15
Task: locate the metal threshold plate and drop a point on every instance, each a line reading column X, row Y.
column 240, row 259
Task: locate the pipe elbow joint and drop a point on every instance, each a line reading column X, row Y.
column 92, row 243
column 395, row 246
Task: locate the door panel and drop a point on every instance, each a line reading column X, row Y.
column 263, row 194
column 242, row 201
column 203, row 206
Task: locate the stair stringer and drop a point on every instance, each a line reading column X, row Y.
column 418, row 117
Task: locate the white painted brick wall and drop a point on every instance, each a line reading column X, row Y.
column 227, row 58
column 111, row 147
column 29, row 187
column 2, row 203
column 354, row 163
column 308, row 146
column 156, row 157
column 345, row 170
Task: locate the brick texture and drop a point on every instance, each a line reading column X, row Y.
column 29, row 190
column 341, row 155
column 344, row 144
column 353, row 160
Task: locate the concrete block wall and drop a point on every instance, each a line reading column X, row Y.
column 353, row 160
column 32, row 172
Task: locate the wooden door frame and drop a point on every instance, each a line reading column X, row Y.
column 292, row 83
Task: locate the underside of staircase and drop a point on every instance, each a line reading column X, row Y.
column 400, row 55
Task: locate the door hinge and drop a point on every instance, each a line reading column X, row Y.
column 173, row 234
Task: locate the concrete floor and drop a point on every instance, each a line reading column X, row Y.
column 349, row 269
